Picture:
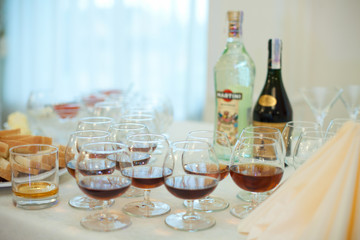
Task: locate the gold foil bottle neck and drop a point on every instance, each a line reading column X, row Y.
column 233, row 15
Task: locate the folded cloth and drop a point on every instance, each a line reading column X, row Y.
column 321, row 200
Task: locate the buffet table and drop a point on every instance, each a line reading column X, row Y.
column 63, row 221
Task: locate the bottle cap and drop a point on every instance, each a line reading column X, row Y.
column 235, row 21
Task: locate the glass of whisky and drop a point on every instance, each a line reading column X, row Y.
column 35, row 175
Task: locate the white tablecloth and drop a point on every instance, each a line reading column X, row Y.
column 63, row 222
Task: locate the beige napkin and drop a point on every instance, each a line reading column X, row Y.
column 321, row 200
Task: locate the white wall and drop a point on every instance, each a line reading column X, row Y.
column 321, row 45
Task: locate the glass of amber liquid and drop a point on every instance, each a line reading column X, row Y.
column 256, row 166
column 34, row 175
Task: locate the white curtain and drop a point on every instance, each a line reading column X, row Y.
column 77, row 46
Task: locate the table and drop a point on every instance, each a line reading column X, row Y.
column 63, row 222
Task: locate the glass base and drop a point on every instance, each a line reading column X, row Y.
column 246, row 196
column 140, row 209
column 84, row 202
column 242, row 210
column 106, row 221
column 209, row 204
column 34, row 204
column 133, row 192
column 194, row 223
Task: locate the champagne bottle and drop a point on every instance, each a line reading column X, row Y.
column 234, row 75
column 273, row 107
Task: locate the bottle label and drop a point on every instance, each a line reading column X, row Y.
column 227, row 115
column 267, row 101
column 279, row 126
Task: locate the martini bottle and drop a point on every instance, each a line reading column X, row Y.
column 234, row 75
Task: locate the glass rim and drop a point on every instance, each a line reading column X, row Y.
column 159, row 137
column 205, row 131
column 88, row 119
column 75, row 133
column 54, row 148
column 174, row 145
column 135, row 117
column 276, row 130
column 123, row 147
column 118, row 126
column 273, row 141
column 308, row 124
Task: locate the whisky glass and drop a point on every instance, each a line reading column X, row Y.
column 34, row 175
column 191, row 172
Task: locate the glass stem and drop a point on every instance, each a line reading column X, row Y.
column 190, row 213
column 254, row 200
column 147, row 201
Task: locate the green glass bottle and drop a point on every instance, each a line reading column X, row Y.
column 273, row 108
column 234, row 75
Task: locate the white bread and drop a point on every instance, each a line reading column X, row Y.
column 5, row 169
column 4, row 150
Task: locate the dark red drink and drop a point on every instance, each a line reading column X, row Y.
column 148, row 177
column 256, row 177
column 103, row 187
column 191, row 186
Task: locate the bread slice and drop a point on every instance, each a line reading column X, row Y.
column 21, row 169
column 37, row 140
column 4, row 150
column 14, row 137
column 5, row 169
column 10, row 132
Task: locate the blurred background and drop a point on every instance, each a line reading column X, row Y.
column 169, row 48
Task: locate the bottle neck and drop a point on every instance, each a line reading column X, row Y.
column 274, row 59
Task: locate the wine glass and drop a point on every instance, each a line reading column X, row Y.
column 308, row 143
column 161, row 105
column 256, row 166
column 72, row 151
column 291, row 133
column 191, row 172
column 221, row 144
column 95, row 123
column 261, row 131
column 119, row 133
column 148, row 172
column 351, row 99
column 110, row 109
column 146, row 119
column 335, row 125
column 103, row 171
column 320, row 100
